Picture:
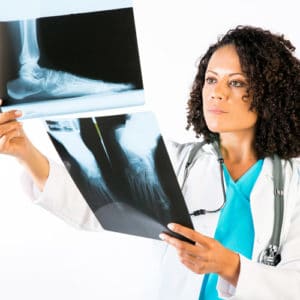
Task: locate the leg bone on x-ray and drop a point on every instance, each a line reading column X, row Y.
column 38, row 82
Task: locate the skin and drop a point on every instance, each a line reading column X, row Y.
column 226, row 107
column 14, row 142
column 226, row 103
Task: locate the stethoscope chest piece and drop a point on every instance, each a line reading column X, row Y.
column 270, row 256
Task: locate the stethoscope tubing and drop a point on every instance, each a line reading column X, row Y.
column 271, row 255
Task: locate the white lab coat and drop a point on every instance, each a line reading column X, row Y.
column 202, row 189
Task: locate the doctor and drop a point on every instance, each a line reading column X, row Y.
column 245, row 99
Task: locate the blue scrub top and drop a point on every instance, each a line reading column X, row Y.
column 235, row 228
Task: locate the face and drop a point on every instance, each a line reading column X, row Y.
column 226, row 102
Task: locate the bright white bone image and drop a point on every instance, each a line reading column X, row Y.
column 39, row 82
column 73, row 63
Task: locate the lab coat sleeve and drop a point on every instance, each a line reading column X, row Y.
column 62, row 198
column 258, row 281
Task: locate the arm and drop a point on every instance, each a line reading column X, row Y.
column 251, row 280
column 282, row 281
column 62, row 198
column 14, row 142
column 255, row 280
column 206, row 256
column 47, row 183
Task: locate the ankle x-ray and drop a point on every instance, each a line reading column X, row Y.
column 70, row 63
column 122, row 169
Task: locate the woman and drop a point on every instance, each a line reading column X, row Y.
column 245, row 98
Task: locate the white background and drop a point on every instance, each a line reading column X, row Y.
column 43, row 258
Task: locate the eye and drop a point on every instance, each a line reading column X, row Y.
column 210, row 80
column 237, row 83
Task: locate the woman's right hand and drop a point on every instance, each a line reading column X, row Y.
column 11, row 134
column 14, row 142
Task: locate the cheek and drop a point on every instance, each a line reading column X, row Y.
column 205, row 102
column 245, row 117
column 205, row 96
column 252, row 117
column 205, row 90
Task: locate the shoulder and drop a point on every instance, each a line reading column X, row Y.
column 291, row 178
column 180, row 152
column 295, row 163
column 291, row 168
column 292, row 172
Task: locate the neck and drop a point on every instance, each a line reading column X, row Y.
column 237, row 147
column 238, row 152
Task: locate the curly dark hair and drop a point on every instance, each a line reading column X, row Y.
column 274, row 79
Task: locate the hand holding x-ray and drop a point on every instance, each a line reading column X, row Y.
column 12, row 136
column 14, row 142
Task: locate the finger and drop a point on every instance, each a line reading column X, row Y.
column 190, row 234
column 181, row 246
column 6, row 145
column 9, row 116
column 7, row 127
column 15, row 133
column 194, row 256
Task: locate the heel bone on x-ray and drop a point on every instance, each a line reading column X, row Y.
column 70, row 63
column 36, row 82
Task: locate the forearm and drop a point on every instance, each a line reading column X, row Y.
column 14, row 142
column 37, row 166
column 61, row 197
column 258, row 281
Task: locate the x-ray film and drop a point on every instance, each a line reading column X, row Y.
column 70, row 63
column 121, row 166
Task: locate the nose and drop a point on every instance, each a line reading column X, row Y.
column 220, row 91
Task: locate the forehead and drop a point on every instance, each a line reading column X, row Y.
column 225, row 58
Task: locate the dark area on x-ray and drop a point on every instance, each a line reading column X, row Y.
column 38, row 57
column 132, row 193
column 100, row 45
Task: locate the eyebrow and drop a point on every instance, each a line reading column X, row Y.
column 231, row 74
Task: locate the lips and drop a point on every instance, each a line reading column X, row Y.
column 216, row 111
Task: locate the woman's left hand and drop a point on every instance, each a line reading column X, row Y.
column 207, row 255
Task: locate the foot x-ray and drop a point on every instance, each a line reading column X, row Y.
column 122, row 169
column 70, row 63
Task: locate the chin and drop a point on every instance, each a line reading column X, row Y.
column 216, row 128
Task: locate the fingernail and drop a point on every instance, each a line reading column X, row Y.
column 161, row 236
column 18, row 113
column 171, row 226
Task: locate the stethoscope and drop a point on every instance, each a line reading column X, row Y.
column 271, row 255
